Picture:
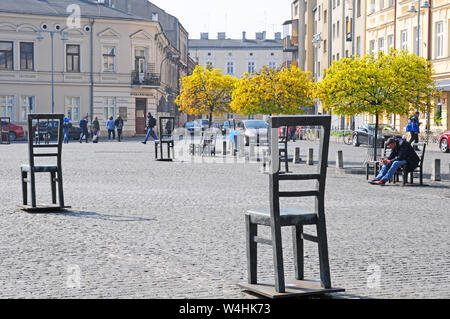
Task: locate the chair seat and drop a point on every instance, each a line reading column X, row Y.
column 39, row 168
column 288, row 217
column 164, row 140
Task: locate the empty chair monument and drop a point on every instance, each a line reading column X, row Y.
column 166, row 128
column 38, row 149
column 277, row 217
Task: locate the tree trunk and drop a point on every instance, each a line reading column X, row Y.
column 210, row 118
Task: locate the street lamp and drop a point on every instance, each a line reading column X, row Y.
column 63, row 38
column 412, row 9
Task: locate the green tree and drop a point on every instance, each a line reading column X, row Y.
column 395, row 83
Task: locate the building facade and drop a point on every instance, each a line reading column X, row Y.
column 106, row 62
column 394, row 24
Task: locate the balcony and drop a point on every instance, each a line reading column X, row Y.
column 145, row 79
column 290, row 44
column 288, row 64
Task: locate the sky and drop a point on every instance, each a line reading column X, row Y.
column 230, row 16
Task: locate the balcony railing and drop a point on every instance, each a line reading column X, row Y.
column 150, row 79
column 287, row 64
column 290, row 44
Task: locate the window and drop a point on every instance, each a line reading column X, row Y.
column 7, row 106
column 154, row 16
column 439, row 39
column 381, row 4
column 372, row 47
column 6, row 55
column 391, row 3
column 109, row 59
column 381, row 45
column 123, row 111
column 334, row 30
column 337, row 56
column 27, row 56
column 337, row 29
column 109, row 107
column 230, row 68
column 325, row 46
column 325, row 16
column 404, row 37
column 358, row 8
column 338, row 3
column 209, row 65
column 346, row 53
column 334, row 57
column 320, row 8
column 390, row 41
column 272, row 65
column 334, row 4
column 416, row 41
column 73, row 108
column 358, row 45
column 251, row 67
column 372, row 6
column 73, row 58
column 28, row 106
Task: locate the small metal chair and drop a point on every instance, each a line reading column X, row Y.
column 29, row 170
column 166, row 128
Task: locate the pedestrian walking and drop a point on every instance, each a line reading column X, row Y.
column 111, row 126
column 151, row 123
column 402, row 153
column 119, row 125
column 84, row 129
column 413, row 128
column 95, row 130
column 66, row 127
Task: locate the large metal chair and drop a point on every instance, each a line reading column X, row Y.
column 276, row 218
column 48, row 150
column 166, row 128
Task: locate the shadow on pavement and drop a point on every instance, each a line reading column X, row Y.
column 115, row 218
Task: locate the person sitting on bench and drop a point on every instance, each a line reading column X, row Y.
column 402, row 153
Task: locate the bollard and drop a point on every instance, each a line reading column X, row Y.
column 224, row 148
column 241, row 145
column 297, row 158
column 252, row 155
column 436, row 173
column 340, row 160
column 310, row 157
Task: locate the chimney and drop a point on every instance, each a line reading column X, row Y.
column 277, row 35
column 264, row 35
column 243, row 36
column 204, row 36
column 221, row 36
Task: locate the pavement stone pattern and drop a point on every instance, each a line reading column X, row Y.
column 139, row 228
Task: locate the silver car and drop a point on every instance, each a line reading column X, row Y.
column 255, row 131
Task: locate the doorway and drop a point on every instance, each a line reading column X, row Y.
column 141, row 111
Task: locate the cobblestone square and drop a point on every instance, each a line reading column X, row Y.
column 139, row 228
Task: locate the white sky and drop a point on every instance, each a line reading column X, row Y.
column 230, row 16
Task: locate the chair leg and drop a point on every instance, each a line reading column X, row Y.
column 252, row 249
column 421, row 175
column 24, row 188
column 60, row 188
column 278, row 259
column 325, row 277
column 297, row 232
column 53, row 186
column 33, row 189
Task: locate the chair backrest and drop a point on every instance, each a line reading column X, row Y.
column 324, row 122
column 166, row 127
column 420, row 150
column 41, row 129
column 209, row 137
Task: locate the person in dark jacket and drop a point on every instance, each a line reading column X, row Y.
column 84, row 129
column 151, row 123
column 119, row 125
column 402, row 153
column 95, row 130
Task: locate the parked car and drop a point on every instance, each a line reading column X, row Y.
column 253, row 129
column 52, row 131
column 444, row 142
column 15, row 131
column 202, row 123
column 366, row 133
column 190, row 126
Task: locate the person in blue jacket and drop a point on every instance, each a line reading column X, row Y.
column 111, row 126
column 413, row 128
column 66, row 128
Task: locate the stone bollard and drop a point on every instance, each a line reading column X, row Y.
column 224, row 148
column 310, row 157
column 252, row 154
column 297, row 158
column 339, row 160
column 241, row 145
column 436, row 173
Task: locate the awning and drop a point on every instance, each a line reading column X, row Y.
column 443, row 85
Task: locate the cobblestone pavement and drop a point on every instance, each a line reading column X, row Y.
column 145, row 229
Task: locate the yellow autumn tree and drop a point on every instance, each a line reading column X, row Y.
column 393, row 83
column 206, row 92
column 274, row 91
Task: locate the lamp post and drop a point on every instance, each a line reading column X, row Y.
column 412, row 9
column 63, row 38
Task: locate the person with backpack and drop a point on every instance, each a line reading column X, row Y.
column 84, row 129
column 151, row 123
column 66, row 127
column 413, row 127
column 119, row 124
column 111, row 126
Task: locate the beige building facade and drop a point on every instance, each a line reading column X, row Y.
column 110, row 63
